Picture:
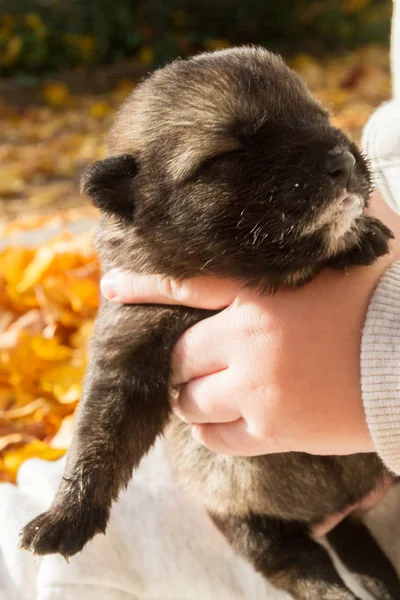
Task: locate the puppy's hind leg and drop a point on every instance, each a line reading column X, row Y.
column 360, row 553
column 286, row 556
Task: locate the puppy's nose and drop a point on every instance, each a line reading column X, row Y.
column 340, row 167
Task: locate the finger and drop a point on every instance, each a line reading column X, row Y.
column 230, row 438
column 207, row 400
column 202, row 350
column 200, row 292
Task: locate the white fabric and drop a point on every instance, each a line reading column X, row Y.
column 381, row 143
column 159, row 545
column 380, row 352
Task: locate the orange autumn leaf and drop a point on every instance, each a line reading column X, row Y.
column 13, row 262
column 81, row 338
column 48, row 301
column 146, row 55
column 99, row 110
column 12, row 460
column 49, row 349
column 64, row 382
column 14, row 438
column 42, row 260
column 56, row 94
column 12, row 51
column 23, row 411
column 83, row 294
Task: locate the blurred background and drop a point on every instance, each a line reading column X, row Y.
column 65, row 66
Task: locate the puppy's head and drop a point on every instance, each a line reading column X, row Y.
column 229, row 166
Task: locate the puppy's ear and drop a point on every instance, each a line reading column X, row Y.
column 109, row 184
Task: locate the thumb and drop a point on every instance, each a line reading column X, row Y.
column 230, row 438
column 200, row 292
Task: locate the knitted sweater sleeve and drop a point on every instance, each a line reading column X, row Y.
column 380, row 368
column 380, row 351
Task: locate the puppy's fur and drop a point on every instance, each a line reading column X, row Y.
column 219, row 165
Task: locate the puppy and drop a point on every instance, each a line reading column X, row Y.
column 223, row 164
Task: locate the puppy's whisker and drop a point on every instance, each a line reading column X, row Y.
column 208, row 262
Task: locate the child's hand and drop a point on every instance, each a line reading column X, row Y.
column 270, row 373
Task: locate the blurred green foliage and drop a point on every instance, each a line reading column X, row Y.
column 41, row 36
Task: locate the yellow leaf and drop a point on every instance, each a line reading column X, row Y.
column 81, row 338
column 33, row 273
column 99, row 110
column 49, row 350
column 22, row 411
column 14, row 438
column 13, row 459
column 6, row 318
column 70, row 396
column 31, row 321
column 83, row 294
column 13, row 261
column 56, row 95
column 12, row 51
column 11, row 181
column 146, row 55
column 64, row 382
column 33, row 20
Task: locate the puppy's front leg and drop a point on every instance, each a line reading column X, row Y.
column 125, row 406
column 372, row 244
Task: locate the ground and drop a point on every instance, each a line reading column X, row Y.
column 48, row 269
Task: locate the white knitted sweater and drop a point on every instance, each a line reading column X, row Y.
column 380, row 355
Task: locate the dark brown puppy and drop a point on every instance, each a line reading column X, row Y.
column 223, row 164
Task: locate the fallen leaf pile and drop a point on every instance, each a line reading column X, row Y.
column 49, row 294
column 45, row 149
column 48, row 299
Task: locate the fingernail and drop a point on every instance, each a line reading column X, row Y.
column 108, row 284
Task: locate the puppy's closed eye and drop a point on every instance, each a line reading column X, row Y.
column 213, row 161
column 191, row 157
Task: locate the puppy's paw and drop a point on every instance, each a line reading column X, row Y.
column 63, row 532
column 373, row 243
